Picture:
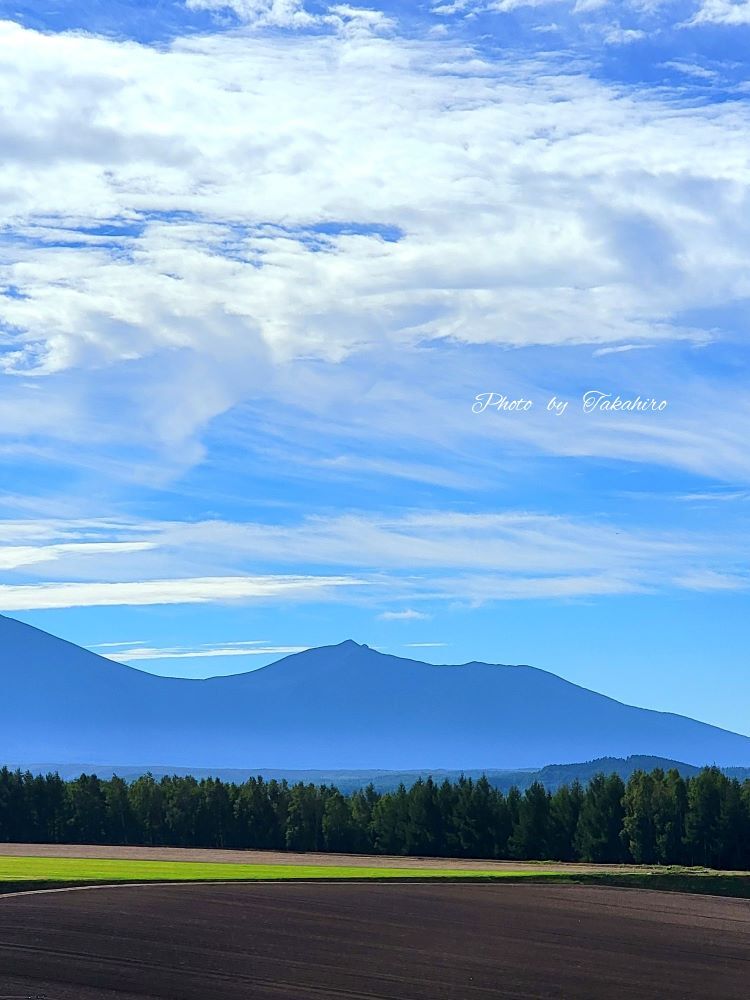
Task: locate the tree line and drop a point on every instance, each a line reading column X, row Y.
column 655, row 817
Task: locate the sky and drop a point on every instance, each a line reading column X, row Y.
column 274, row 278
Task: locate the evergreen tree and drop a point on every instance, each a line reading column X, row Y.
column 639, row 832
column 390, row 818
column 601, row 821
column 87, row 810
column 564, row 810
column 337, row 825
column 703, row 826
column 657, row 817
column 304, row 819
column 529, row 839
column 734, row 826
column 669, row 803
column 362, row 805
column 119, row 823
column 147, row 805
column 423, row 833
column 257, row 815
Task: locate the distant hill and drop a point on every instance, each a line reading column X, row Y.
column 334, row 708
column 552, row 776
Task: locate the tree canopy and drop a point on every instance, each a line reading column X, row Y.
column 655, row 817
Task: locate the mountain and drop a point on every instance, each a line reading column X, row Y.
column 344, row 706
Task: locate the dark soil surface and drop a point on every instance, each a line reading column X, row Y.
column 270, row 941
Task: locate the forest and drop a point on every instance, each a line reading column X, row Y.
column 655, row 817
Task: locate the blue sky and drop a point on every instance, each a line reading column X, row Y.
column 257, row 261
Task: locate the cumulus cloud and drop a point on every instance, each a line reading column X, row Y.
column 291, row 140
column 616, row 35
column 733, row 13
column 691, row 69
column 234, row 217
column 261, row 13
column 293, row 14
column 586, row 6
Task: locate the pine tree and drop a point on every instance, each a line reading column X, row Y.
column 601, row 821
column 529, row 839
column 565, row 808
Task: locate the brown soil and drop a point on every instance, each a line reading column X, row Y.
column 355, row 941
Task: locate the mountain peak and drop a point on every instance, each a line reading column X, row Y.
column 338, row 706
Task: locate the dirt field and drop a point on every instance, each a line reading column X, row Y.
column 282, row 858
column 360, row 942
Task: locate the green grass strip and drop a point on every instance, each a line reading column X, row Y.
column 24, row 873
column 85, row 870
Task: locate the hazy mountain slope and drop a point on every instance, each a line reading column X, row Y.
column 551, row 776
column 343, row 706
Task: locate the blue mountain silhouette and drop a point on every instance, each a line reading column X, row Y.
column 343, row 706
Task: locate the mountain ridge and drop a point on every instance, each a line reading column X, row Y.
column 344, row 706
column 552, row 776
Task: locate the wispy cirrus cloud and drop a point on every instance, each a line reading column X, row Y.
column 16, row 556
column 201, row 652
column 399, row 564
column 407, row 615
column 708, row 580
column 116, row 645
column 168, row 591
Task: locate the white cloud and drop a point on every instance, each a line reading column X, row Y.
column 358, row 19
column 586, row 6
column 601, row 352
column 187, row 591
column 715, row 496
column 455, row 7
column 183, row 653
column 506, row 6
column 16, row 556
column 733, row 13
column 201, row 126
column 284, row 234
column 616, row 35
column 525, row 545
column 394, row 563
column 691, row 69
column 708, row 580
column 260, row 13
column 116, row 645
column 408, row 615
column 477, row 590
column 293, row 14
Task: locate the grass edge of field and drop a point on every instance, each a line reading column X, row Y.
column 30, row 873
